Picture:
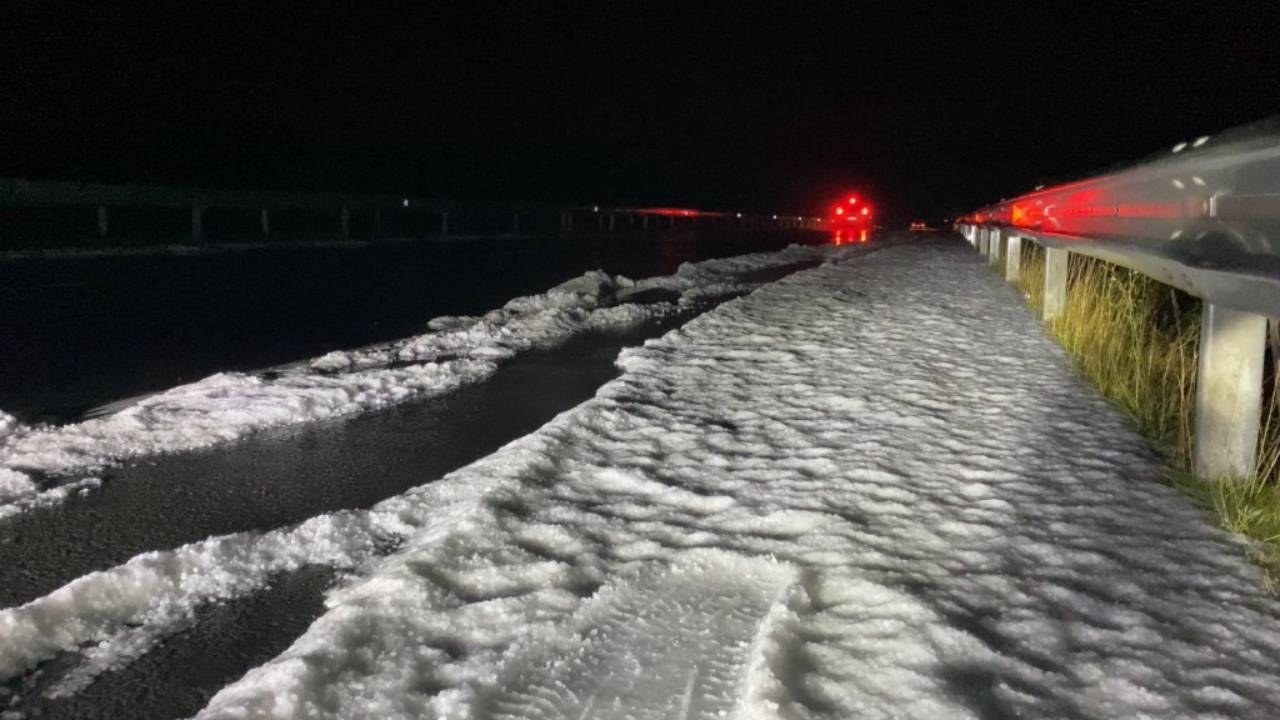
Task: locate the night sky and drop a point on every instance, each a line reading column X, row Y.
column 931, row 108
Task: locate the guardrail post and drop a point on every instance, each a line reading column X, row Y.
column 997, row 246
column 644, row 222
column 1228, row 392
column 982, row 241
column 346, row 223
column 102, row 221
column 611, row 223
column 1013, row 258
column 1055, row 282
column 264, row 219
column 197, row 223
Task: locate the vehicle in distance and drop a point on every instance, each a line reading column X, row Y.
column 851, row 212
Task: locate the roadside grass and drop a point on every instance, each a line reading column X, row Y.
column 1137, row 340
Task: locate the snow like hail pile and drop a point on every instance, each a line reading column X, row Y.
column 42, row 464
column 873, row 489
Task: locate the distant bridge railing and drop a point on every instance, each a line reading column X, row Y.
column 1204, row 217
column 258, row 214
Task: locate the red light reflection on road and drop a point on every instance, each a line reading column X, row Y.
column 843, row 237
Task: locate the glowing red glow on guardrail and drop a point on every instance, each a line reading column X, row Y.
column 1088, row 210
column 1203, row 216
column 1164, row 200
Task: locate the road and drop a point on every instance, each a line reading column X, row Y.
column 276, row 478
column 870, row 488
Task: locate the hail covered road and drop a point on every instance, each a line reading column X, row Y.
column 873, row 488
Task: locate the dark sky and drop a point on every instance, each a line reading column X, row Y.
column 929, row 107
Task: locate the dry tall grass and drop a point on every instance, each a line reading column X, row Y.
column 1137, row 339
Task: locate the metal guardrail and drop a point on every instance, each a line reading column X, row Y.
column 16, row 192
column 19, row 193
column 1204, row 217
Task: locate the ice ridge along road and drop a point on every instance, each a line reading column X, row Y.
column 40, row 465
column 871, row 489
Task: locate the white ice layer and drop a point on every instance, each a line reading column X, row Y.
column 124, row 609
column 873, row 489
column 37, row 461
